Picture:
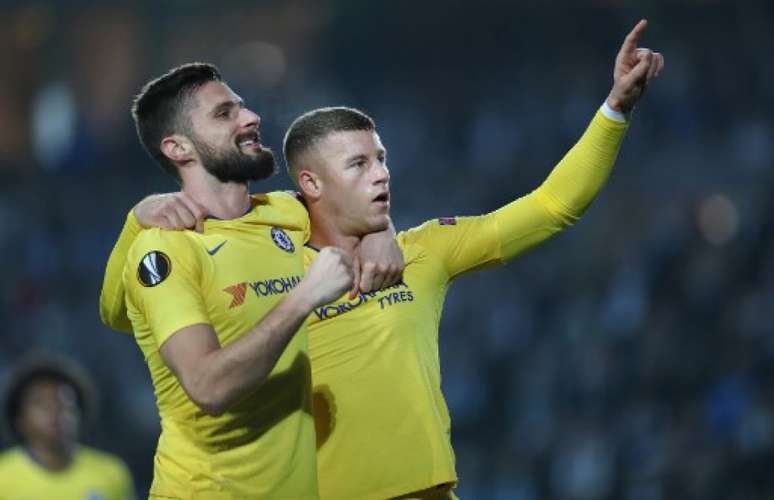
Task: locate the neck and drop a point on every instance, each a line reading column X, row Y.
column 224, row 200
column 326, row 233
column 55, row 457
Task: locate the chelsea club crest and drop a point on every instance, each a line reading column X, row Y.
column 282, row 240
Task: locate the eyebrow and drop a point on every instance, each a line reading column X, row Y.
column 356, row 157
column 364, row 156
column 227, row 105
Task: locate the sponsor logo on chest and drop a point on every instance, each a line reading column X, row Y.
column 386, row 297
column 261, row 288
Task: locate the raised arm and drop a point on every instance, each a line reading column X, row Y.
column 468, row 243
column 574, row 183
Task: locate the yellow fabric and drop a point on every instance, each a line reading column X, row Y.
column 91, row 475
column 567, row 192
column 229, row 277
column 112, row 304
column 383, row 428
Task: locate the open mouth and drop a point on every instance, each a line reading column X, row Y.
column 382, row 198
column 249, row 140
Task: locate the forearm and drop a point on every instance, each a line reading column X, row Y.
column 565, row 195
column 112, row 307
column 577, row 179
column 232, row 371
column 214, row 376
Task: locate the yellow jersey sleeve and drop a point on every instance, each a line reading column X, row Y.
column 112, row 306
column 567, row 192
column 163, row 282
column 458, row 244
column 468, row 243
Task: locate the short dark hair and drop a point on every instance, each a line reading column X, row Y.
column 311, row 127
column 158, row 110
column 45, row 366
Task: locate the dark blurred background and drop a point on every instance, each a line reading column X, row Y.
column 629, row 358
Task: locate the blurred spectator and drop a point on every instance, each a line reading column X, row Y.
column 47, row 399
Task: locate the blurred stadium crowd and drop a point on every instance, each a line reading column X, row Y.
column 629, row 358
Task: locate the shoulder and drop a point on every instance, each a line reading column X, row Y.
column 155, row 239
column 10, row 457
column 428, row 231
column 417, row 242
column 155, row 235
column 287, row 200
column 156, row 252
column 282, row 209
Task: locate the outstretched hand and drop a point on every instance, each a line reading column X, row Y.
column 634, row 69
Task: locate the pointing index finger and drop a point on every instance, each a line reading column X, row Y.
column 630, row 42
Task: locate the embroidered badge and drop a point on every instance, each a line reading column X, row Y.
column 282, row 240
column 154, row 268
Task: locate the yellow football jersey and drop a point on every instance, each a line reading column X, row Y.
column 382, row 423
column 229, row 277
column 92, row 475
column 383, row 429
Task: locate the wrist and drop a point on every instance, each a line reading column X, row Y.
column 614, row 102
column 613, row 114
column 299, row 300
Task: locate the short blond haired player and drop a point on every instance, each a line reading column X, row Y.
column 383, row 430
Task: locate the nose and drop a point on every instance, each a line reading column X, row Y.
column 381, row 174
column 248, row 118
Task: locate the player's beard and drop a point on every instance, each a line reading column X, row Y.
column 234, row 165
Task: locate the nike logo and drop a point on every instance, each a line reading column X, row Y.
column 215, row 250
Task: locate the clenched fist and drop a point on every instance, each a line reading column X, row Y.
column 330, row 275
